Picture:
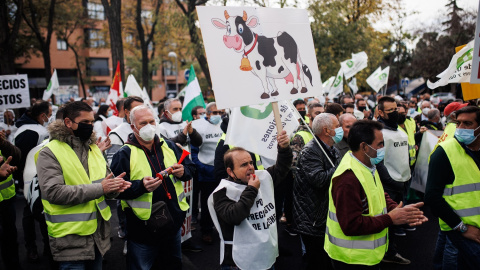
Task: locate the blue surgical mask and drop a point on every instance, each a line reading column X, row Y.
column 380, row 155
column 338, row 135
column 215, row 119
column 110, row 113
column 411, row 111
column 202, row 115
column 466, row 136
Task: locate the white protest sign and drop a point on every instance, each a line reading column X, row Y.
column 352, row 66
column 259, row 55
column 253, row 127
column 14, row 92
column 459, row 69
column 475, row 77
column 420, row 174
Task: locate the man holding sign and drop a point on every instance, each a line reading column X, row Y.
column 243, row 209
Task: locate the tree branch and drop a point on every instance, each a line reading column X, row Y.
column 180, row 5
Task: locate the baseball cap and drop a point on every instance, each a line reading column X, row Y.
column 453, row 107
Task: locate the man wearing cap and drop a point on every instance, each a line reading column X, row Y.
column 451, row 125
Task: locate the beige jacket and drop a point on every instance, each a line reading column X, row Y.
column 54, row 190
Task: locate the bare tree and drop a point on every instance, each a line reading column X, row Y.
column 9, row 28
column 113, row 11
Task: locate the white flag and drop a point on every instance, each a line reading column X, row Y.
column 337, row 86
column 133, row 89
column 379, row 78
column 353, row 85
column 327, row 84
column 352, row 66
column 459, row 69
column 253, row 127
column 52, row 87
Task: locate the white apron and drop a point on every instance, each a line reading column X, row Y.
column 169, row 131
column 211, row 134
column 255, row 240
column 397, row 158
column 39, row 129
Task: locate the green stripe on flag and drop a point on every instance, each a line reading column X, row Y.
column 187, row 110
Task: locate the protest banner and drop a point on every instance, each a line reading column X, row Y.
column 352, row 66
column 259, row 55
column 259, row 120
column 14, row 92
column 475, row 77
column 420, row 174
column 379, row 78
column 459, row 69
column 337, row 86
column 469, row 91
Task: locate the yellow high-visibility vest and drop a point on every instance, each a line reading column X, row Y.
column 7, row 186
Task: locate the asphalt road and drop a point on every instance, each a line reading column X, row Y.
column 418, row 246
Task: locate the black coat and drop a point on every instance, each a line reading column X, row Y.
column 310, row 187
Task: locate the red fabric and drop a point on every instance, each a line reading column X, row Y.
column 351, row 202
column 453, row 107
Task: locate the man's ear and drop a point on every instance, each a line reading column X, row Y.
column 68, row 123
column 230, row 172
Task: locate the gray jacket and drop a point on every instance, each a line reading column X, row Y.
column 310, row 188
column 53, row 189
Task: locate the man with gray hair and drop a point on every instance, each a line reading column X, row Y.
column 315, row 167
column 203, row 157
column 172, row 127
column 433, row 120
column 346, row 122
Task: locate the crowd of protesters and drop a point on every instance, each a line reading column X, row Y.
column 340, row 182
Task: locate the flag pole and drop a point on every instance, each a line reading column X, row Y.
column 276, row 114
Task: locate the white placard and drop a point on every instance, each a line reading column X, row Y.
column 274, row 48
column 14, row 92
column 475, row 75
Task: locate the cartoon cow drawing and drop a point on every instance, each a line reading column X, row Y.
column 272, row 58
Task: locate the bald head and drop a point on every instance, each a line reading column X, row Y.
column 346, row 121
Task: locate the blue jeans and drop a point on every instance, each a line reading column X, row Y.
column 95, row 264
column 445, row 257
column 468, row 250
column 142, row 256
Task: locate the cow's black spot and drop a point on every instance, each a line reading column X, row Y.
column 280, row 69
column 307, row 73
column 257, row 63
column 267, row 50
column 247, row 34
column 289, row 46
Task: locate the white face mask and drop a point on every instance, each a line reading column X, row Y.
column 176, row 117
column 147, row 133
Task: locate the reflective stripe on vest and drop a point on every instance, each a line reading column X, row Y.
column 410, row 128
column 7, row 186
column 307, row 136
column 139, row 168
column 258, row 160
column 363, row 249
column 463, row 195
column 79, row 219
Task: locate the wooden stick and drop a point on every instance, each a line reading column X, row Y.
column 276, row 114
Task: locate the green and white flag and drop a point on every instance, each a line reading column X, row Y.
column 353, row 85
column 52, row 87
column 352, row 66
column 337, row 86
column 379, row 78
column 459, row 70
column 327, row 84
column 193, row 96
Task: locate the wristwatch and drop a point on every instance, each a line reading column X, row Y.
column 462, row 227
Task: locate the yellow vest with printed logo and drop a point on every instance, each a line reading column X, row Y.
column 363, row 249
column 463, row 195
column 7, row 187
column 258, row 161
column 80, row 219
column 410, row 127
column 139, row 168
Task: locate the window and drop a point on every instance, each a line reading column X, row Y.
column 168, row 69
column 129, row 39
column 95, row 11
column 97, row 67
column 61, row 45
column 94, row 38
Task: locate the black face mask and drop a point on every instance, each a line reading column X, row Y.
column 362, row 108
column 392, row 119
column 401, row 118
column 302, row 113
column 84, row 131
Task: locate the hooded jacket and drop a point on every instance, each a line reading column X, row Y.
column 53, row 189
column 310, row 187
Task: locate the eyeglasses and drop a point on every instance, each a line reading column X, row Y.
column 218, row 113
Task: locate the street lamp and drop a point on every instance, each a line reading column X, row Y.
column 174, row 55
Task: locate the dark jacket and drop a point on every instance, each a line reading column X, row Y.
column 310, row 187
column 195, row 137
column 342, row 147
column 121, row 163
column 9, row 150
column 25, row 141
column 231, row 213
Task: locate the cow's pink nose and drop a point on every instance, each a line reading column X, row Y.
column 236, row 39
